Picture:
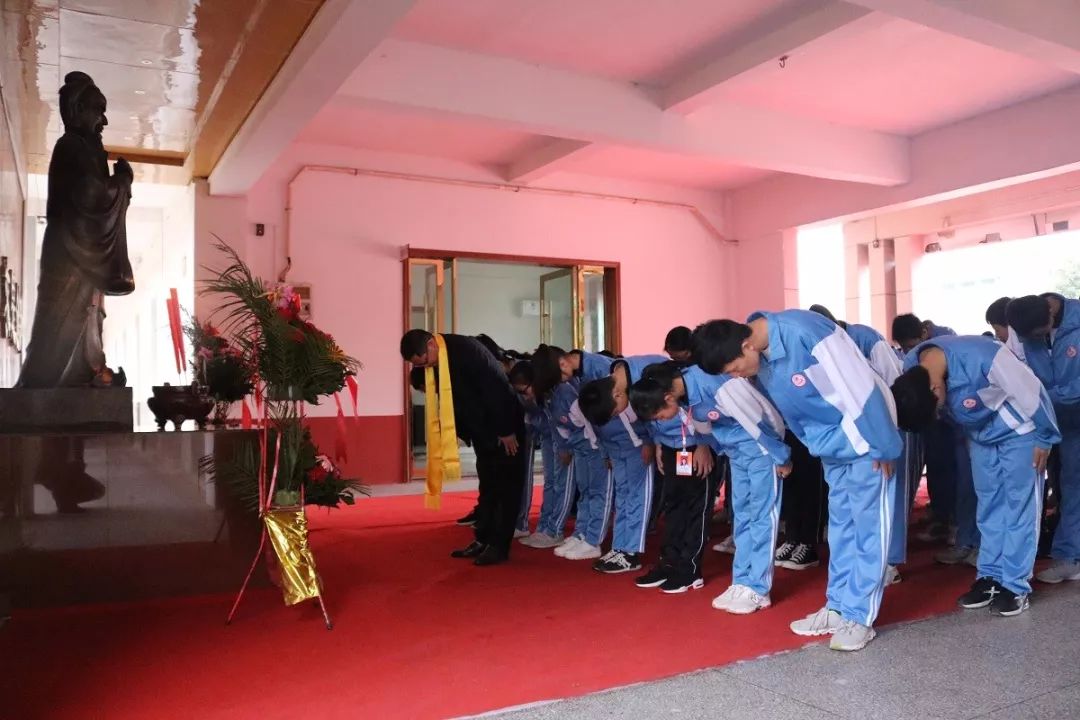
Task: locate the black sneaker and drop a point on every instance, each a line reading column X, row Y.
column 802, row 556
column 469, row 519
column 654, row 578
column 1006, row 603
column 676, row 585
column 980, row 595
column 783, row 554
column 618, row 562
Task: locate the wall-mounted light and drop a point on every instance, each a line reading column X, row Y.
column 933, row 247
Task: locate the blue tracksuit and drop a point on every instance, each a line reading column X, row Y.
column 843, row 412
column 621, row 440
column 593, row 366
column 1057, row 365
column 536, row 436
column 749, row 430
column 558, row 479
column 587, row 472
column 888, row 367
column 1006, row 414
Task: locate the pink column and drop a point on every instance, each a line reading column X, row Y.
column 857, row 235
column 907, row 252
column 882, row 284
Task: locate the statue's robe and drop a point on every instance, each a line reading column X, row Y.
column 83, row 258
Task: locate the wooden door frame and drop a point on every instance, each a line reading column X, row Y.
column 612, row 298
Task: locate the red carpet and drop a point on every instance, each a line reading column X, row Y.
column 418, row 635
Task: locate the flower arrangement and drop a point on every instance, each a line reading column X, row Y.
column 291, row 362
column 218, row 364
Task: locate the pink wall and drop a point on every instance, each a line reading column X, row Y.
column 350, row 231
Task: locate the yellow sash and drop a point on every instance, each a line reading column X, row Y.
column 443, row 462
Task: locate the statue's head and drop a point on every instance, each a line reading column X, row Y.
column 82, row 105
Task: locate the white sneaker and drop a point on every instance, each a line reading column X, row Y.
column 741, row 600
column 567, row 545
column 519, row 534
column 1060, row 571
column 823, row 622
column 892, row 575
column 851, row 636
column 956, row 555
column 542, row 540
column 582, row 551
column 727, row 545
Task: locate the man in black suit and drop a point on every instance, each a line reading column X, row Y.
column 489, row 416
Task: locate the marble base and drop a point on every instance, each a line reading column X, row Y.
column 66, row 410
column 119, row 516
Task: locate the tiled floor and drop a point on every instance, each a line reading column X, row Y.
column 963, row 666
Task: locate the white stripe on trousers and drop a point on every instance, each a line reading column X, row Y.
column 647, row 510
column 607, row 505
column 885, row 535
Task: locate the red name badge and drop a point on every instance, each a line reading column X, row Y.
column 684, row 463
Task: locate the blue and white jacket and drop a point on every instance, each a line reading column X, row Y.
column 820, row 382
column 593, row 366
column 990, row 393
column 1057, row 365
column 736, row 414
column 626, row 432
column 877, row 352
column 574, row 432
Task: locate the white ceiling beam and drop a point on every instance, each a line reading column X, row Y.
column 556, row 103
column 544, row 160
column 340, row 37
column 778, row 35
column 1044, row 31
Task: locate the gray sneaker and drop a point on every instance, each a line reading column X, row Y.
column 1060, row 571
column 956, row 555
column 823, row 622
column 851, row 636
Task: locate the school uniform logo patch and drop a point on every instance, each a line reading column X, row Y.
column 1071, row 352
column 798, row 380
column 970, row 403
column 713, row 415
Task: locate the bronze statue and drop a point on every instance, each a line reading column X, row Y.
column 84, row 255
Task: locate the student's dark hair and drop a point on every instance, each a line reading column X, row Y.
column 607, row 353
column 647, row 394
column 717, row 343
column 995, row 311
column 916, row 404
column 521, row 373
column 906, row 327
column 492, row 347
column 1027, row 313
column 546, row 372
column 596, row 402
column 987, row 333
column 414, row 343
column 416, row 378
column 678, row 339
column 824, row 311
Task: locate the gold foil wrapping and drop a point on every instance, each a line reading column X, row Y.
column 287, row 528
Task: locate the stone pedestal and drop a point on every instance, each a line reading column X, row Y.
column 61, row 410
column 108, row 517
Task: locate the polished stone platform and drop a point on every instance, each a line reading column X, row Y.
column 65, row 410
column 101, row 517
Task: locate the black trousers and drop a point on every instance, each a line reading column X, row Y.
column 500, row 494
column 688, row 503
column 805, row 495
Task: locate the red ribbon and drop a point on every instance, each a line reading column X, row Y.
column 341, row 453
column 354, row 391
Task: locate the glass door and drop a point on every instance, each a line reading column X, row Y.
column 591, row 319
column 557, row 302
column 432, row 307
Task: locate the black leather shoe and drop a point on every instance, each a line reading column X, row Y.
column 472, row 550
column 490, row 556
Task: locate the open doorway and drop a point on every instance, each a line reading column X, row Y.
column 518, row 302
